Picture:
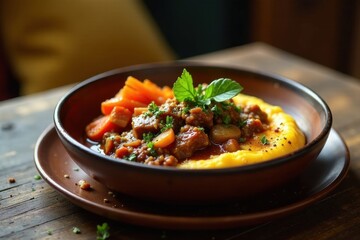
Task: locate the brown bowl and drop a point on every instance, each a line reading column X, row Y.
column 171, row 185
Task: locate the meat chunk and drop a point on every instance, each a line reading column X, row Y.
column 252, row 126
column 144, row 124
column 254, row 111
column 173, row 109
column 231, row 145
column 198, row 117
column 189, row 140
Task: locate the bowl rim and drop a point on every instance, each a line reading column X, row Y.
column 288, row 83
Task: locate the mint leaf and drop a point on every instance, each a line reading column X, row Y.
column 222, row 89
column 219, row 90
column 183, row 87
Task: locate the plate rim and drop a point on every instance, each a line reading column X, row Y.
column 187, row 222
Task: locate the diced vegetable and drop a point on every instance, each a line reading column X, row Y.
column 120, row 116
column 108, row 105
column 108, row 146
column 231, row 145
column 137, row 94
column 97, row 128
column 139, row 110
column 131, row 93
column 121, row 152
column 157, row 94
column 220, row 133
column 164, row 139
column 135, row 143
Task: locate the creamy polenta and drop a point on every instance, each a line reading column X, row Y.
column 283, row 137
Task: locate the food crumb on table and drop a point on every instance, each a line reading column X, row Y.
column 84, row 185
column 37, row 177
column 11, row 180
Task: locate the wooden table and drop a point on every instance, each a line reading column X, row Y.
column 31, row 209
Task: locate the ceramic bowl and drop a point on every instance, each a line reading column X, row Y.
column 171, row 185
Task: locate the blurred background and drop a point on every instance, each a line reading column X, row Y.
column 45, row 44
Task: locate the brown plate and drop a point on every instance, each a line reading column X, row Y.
column 322, row 176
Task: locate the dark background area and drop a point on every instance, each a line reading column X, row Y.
column 197, row 27
column 323, row 31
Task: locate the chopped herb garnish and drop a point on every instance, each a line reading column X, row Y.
column 237, row 108
column 186, row 110
column 132, row 157
column 216, row 110
column 242, row 124
column 154, row 109
column 151, row 149
column 264, row 140
column 76, row 230
column 226, row 119
column 218, row 90
column 37, row 177
column 169, row 121
column 201, row 129
column 102, row 231
column 147, row 137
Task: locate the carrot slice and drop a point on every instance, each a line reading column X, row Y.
column 168, row 92
column 164, row 139
column 120, row 116
column 139, row 110
column 121, row 152
column 155, row 91
column 130, row 93
column 137, row 94
column 147, row 88
column 109, row 145
column 108, row 105
column 97, row 128
column 135, row 143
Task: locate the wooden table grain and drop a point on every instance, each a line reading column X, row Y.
column 31, row 209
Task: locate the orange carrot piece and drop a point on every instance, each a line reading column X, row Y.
column 168, row 92
column 135, row 143
column 164, row 139
column 155, row 91
column 139, row 110
column 97, row 128
column 121, row 152
column 120, row 116
column 108, row 105
column 109, row 145
column 149, row 91
column 130, row 93
column 137, row 94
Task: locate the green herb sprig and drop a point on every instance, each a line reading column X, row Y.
column 264, row 140
column 102, row 231
column 76, row 230
column 218, row 90
column 169, row 122
column 153, row 109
